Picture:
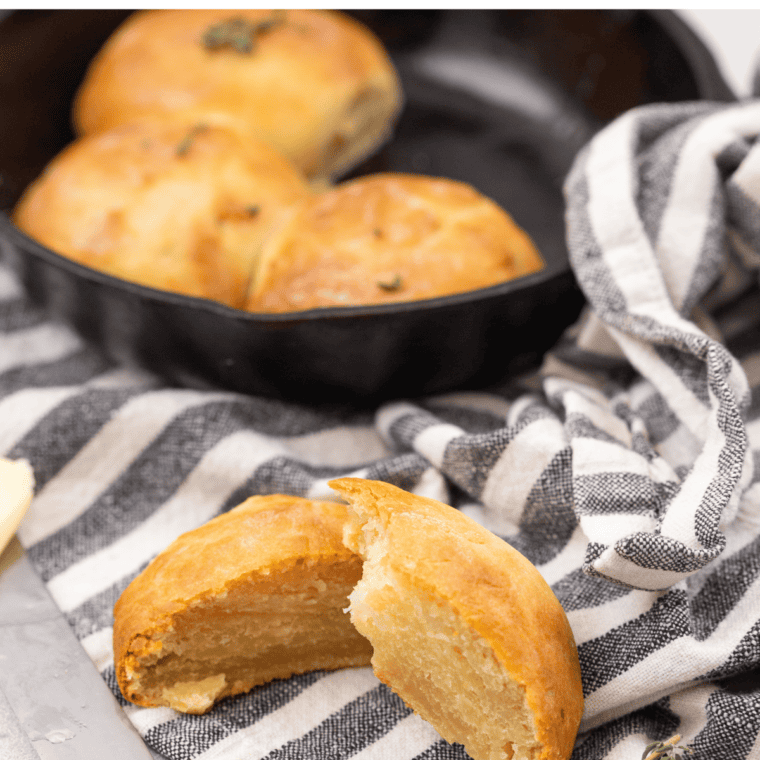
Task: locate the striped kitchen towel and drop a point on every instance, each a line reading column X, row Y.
column 627, row 470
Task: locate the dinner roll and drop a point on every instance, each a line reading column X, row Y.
column 317, row 84
column 179, row 207
column 390, row 237
column 463, row 627
column 255, row 594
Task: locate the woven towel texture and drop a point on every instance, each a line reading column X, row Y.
column 627, row 470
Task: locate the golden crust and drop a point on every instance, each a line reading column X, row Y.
column 386, row 238
column 179, row 207
column 316, row 84
column 495, row 593
column 254, row 594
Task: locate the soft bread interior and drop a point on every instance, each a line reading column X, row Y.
column 449, row 654
column 255, row 594
column 447, row 673
column 264, row 627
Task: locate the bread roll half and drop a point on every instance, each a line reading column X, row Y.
column 255, row 594
column 463, row 627
column 316, row 84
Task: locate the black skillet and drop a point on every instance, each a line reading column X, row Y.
column 500, row 99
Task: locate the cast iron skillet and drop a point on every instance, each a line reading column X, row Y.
column 500, row 99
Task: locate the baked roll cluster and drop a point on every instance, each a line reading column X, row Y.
column 206, row 139
column 453, row 619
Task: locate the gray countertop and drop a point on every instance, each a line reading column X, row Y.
column 54, row 705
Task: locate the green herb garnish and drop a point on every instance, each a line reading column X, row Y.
column 394, row 284
column 239, row 34
column 187, row 141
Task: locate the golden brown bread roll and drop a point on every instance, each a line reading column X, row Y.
column 255, row 594
column 389, row 237
column 179, row 207
column 316, row 84
column 463, row 627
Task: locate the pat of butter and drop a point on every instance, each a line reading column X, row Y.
column 16, row 490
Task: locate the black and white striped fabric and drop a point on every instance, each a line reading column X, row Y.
column 627, row 470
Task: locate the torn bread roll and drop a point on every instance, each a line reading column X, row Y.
column 390, row 237
column 255, row 594
column 316, row 84
column 464, row 628
column 178, row 207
